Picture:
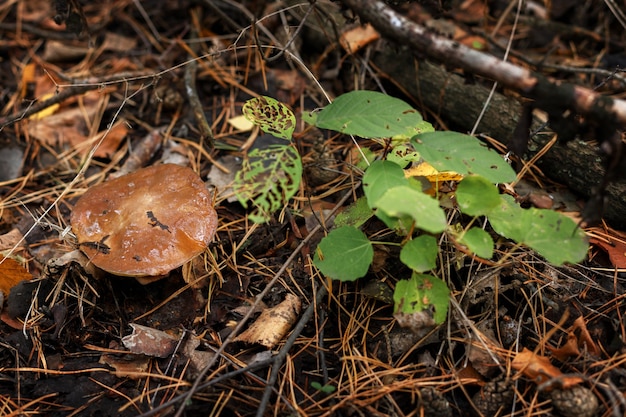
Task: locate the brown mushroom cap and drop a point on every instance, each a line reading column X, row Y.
column 145, row 223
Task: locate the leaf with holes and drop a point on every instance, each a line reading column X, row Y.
column 268, row 179
column 271, row 116
column 370, row 114
column 403, row 155
column 421, row 301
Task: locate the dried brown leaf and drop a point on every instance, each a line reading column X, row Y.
column 151, row 342
column 273, row 324
column 357, row 38
column 11, row 273
column 539, row 369
column 128, row 366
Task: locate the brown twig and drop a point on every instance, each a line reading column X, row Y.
column 194, row 100
column 548, row 93
column 196, row 385
column 278, row 359
column 39, row 106
column 74, row 88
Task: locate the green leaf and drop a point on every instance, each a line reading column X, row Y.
column 309, row 117
column 421, row 127
column 355, row 215
column 369, row 114
column 420, row 298
column 271, row 116
column 420, row 254
column 477, row 196
column 453, row 151
column 554, row 236
column 268, row 179
column 478, row 241
column 326, row 389
column 363, row 163
column 380, row 177
column 403, row 155
column 505, row 218
column 345, row 254
column 423, row 209
column 402, row 225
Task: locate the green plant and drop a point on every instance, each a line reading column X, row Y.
column 400, row 202
column 271, row 176
column 326, row 389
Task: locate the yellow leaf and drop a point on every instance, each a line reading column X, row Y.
column 427, row 170
column 48, row 111
column 28, row 77
column 435, row 178
column 241, row 123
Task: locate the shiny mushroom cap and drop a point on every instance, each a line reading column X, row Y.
column 146, row 223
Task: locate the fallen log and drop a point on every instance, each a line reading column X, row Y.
column 575, row 164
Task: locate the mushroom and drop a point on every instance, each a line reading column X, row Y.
column 147, row 223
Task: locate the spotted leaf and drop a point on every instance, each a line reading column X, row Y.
column 271, row 116
column 268, row 179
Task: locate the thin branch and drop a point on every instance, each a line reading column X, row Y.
column 194, row 99
column 197, row 383
column 549, row 94
column 41, row 105
column 279, row 359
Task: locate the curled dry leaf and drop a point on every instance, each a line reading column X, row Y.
column 58, row 264
column 540, row 369
column 357, row 38
column 151, row 342
column 11, row 273
column 11, row 240
column 585, row 339
column 198, row 359
column 128, row 366
column 615, row 248
column 273, row 324
column 147, row 223
column 567, row 350
column 481, row 359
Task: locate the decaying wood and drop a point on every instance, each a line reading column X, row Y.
column 575, row 164
column 566, row 164
column 549, row 94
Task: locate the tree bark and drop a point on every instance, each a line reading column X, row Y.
column 549, row 95
column 576, row 164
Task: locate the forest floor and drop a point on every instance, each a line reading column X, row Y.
column 118, row 79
